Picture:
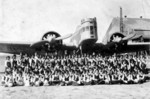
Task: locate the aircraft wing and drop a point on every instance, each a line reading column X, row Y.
column 38, row 44
column 138, row 45
column 68, row 47
column 122, row 47
column 99, row 47
column 132, row 46
column 14, row 47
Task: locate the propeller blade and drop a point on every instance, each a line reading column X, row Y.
column 63, row 37
column 140, row 30
column 128, row 37
column 39, row 43
column 136, row 36
column 44, row 38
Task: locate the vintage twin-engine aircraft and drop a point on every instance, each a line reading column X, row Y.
column 123, row 35
column 51, row 41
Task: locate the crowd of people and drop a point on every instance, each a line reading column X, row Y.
column 85, row 69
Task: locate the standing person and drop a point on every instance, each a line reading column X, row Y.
column 79, row 59
column 25, row 61
column 19, row 61
column 35, row 58
column 14, row 62
column 8, row 62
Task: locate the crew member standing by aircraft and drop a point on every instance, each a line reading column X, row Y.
column 14, row 61
column 8, row 62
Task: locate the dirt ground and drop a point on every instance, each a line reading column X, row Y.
column 138, row 91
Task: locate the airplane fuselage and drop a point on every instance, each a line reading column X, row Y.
column 86, row 33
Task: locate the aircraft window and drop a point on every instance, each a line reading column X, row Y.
column 92, row 32
column 80, row 30
column 83, row 29
column 92, row 36
column 87, row 28
column 91, row 28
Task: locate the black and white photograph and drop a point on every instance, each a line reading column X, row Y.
column 74, row 49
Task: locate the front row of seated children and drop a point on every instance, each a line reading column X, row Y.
column 73, row 78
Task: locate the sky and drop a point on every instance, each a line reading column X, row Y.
column 28, row 20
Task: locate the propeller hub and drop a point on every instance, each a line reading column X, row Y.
column 50, row 38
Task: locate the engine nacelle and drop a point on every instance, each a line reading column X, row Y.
column 53, row 45
column 116, row 37
column 115, row 42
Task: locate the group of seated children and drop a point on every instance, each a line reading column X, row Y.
column 85, row 70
